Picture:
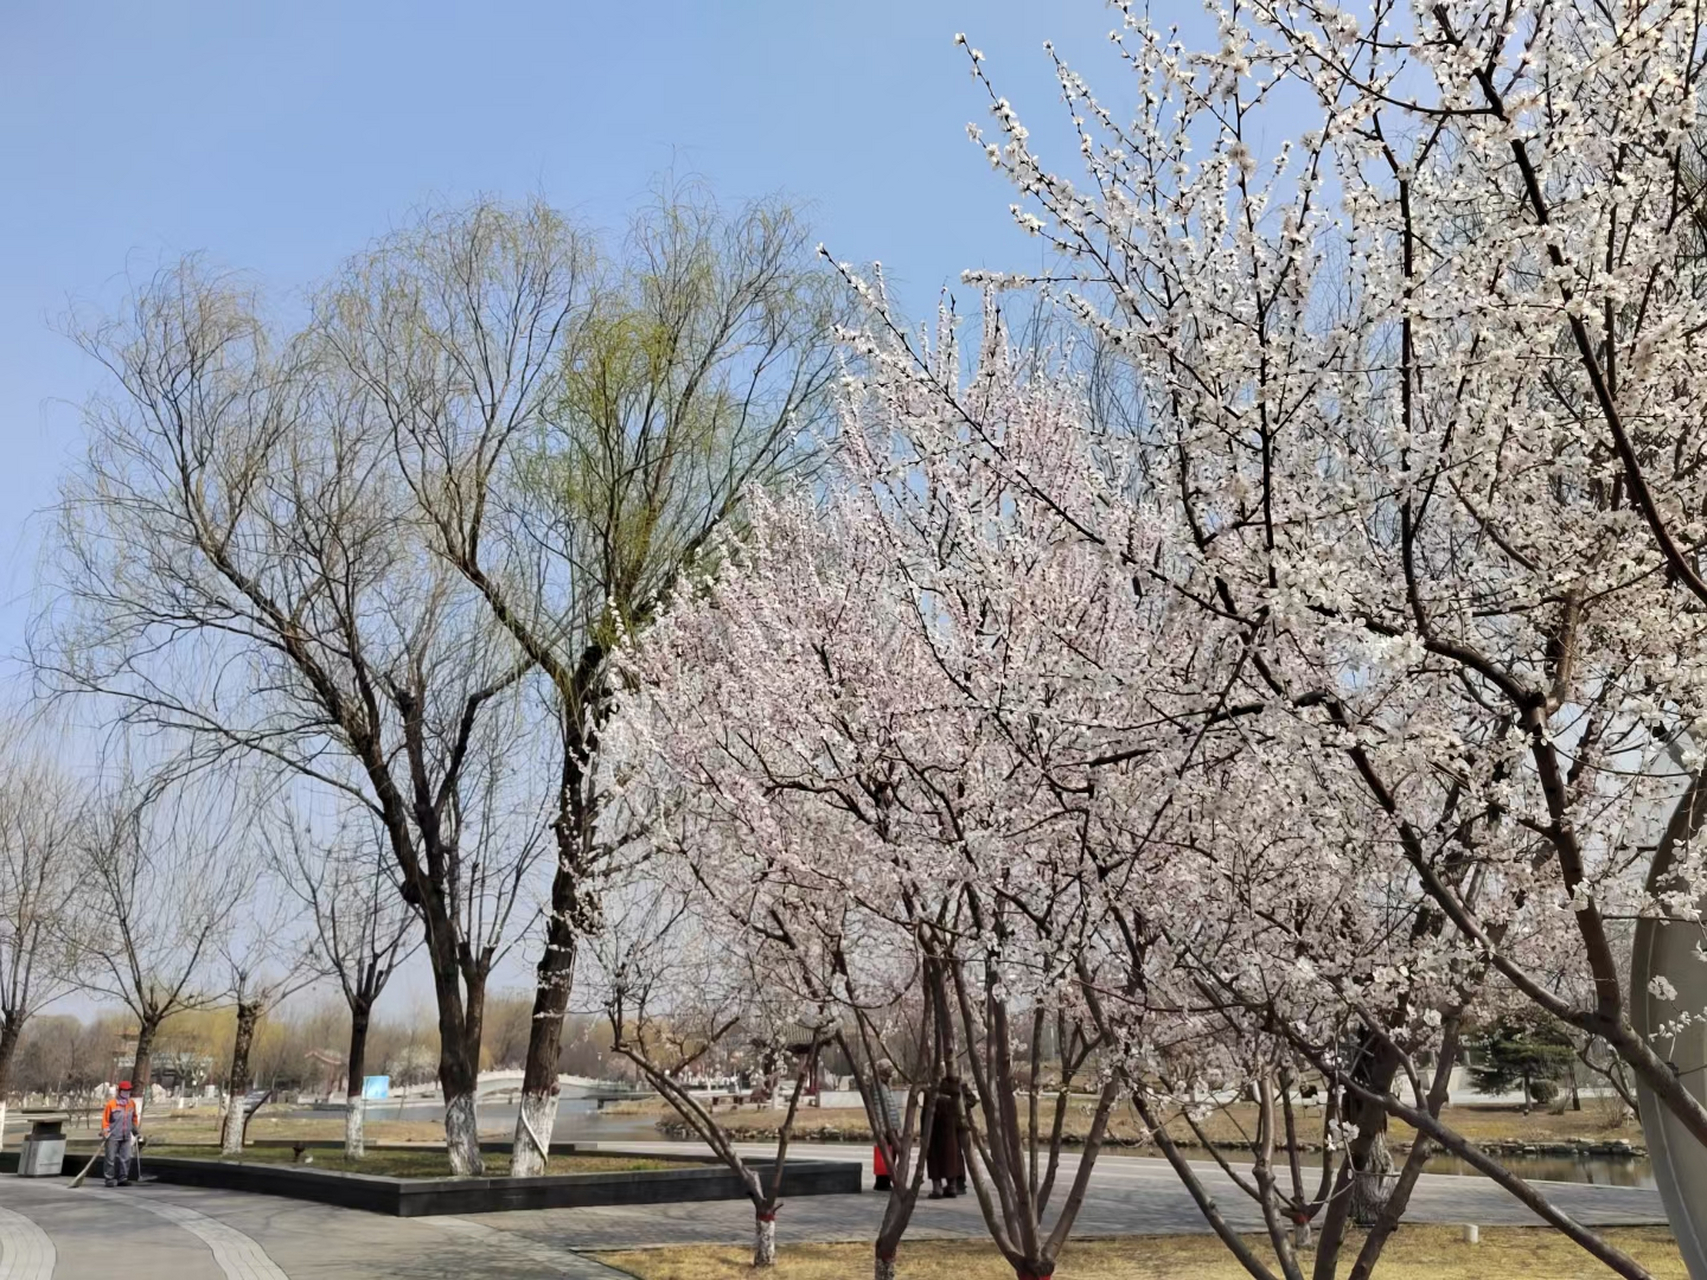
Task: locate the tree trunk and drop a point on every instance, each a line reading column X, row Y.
column 1526, row 1093
column 459, row 979
column 355, row 1112
column 143, row 1065
column 764, row 1240
column 459, row 1082
column 238, row 1079
column 462, row 1135
column 355, row 1105
column 555, row 976
column 572, row 913
column 459, row 1039
column 1376, row 1064
column 883, row 1268
column 1371, row 1182
column 11, row 1031
column 534, row 1122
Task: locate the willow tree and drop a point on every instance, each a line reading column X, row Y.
column 242, row 565
column 162, row 893
column 578, row 422
column 264, row 960
column 362, row 931
column 42, row 936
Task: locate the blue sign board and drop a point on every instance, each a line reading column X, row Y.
column 376, row 1086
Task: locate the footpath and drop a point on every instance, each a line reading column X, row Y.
column 157, row 1231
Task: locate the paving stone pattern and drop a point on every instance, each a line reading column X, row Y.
column 162, row 1232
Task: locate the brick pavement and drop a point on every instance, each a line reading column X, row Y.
column 1128, row 1196
column 161, row 1232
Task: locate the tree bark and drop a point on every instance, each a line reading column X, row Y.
column 355, row 1104
column 1378, row 1065
column 462, row 1132
column 535, row 1119
column 1370, row 1182
column 555, row 976
column 1399, row 1197
column 459, row 975
column 11, row 1031
column 764, row 1240
column 238, row 1079
column 459, row 1038
column 142, row 1067
column 571, row 913
column 883, row 1268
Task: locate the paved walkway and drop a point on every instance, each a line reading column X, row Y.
column 1128, row 1196
column 162, row 1232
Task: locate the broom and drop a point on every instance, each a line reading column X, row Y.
column 78, row 1180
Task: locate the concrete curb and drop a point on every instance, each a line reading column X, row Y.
column 427, row 1197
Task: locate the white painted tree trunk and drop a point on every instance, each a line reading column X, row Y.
column 231, row 1131
column 883, row 1269
column 355, row 1111
column 764, row 1242
column 534, row 1122
column 462, row 1136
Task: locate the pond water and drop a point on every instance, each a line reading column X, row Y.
column 1602, row 1171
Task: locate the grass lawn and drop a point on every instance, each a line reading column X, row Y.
column 1416, row 1253
column 411, row 1164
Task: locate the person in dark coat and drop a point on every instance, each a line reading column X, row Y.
column 944, row 1163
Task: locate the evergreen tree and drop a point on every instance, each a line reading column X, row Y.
column 1528, row 1050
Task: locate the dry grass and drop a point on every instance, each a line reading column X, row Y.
column 203, row 1126
column 1477, row 1122
column 415, row 1164
column 1416, row 1253
column 1484, row 1122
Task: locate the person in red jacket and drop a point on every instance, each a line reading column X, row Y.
column 120, row 1122
column 891, row 1110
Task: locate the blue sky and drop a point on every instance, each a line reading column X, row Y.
column 281, row 137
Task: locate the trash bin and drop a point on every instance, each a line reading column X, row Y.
column 43, row 1154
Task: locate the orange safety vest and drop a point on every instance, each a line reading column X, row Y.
column 113, row 1106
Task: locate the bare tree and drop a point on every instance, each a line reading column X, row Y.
column 577, row 426
column 674, row 996
column 362, row 929
column 164, row 888
column 41, row 938
column 66, row 1058
column 264, row 959
column 243, row 565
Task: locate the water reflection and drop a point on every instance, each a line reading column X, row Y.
column 1601, row 1171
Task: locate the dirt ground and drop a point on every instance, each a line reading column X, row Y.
column 1416, row 1253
